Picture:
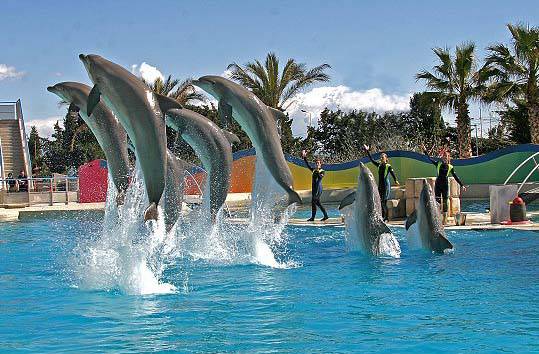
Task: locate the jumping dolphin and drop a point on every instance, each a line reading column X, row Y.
column 174, row 187
column 368, row 232
column 212, row 146
column 109, row 133
column 429, row 230
column 258, row 121
column 140, row 111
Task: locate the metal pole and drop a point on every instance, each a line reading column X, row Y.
column 67, row 191
column 51, row 192
column 480, row 122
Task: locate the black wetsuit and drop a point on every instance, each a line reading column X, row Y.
column 441, row 187
column 384, row 184
column 316, row 190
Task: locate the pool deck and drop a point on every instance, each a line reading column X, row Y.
column 475, row 221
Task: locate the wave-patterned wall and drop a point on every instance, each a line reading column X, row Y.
column 491, row 168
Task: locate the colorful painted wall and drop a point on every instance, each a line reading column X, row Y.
column 491, row 168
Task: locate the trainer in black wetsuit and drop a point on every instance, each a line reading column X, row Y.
column 384, row 184
column 441, row 187
column 316, row 187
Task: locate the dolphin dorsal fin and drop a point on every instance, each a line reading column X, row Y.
column 411, row 219
column 93, row 100
column 166, row 103
column 349, row 199
column 231, row 137
column 224, row 111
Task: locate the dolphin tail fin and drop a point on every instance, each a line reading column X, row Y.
column 93, row 100
column 411, row 219
column 446, row 244
column 294, row 197
column 151, row 212
column 349, row 199
column 166, row 103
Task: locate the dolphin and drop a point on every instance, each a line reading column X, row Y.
column 140, row 111
column 258, row 121
column 109, row 133
column 430, row 228
column 174, row 187
column 367, row 230
column 212, row 145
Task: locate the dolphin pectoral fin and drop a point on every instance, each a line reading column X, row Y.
column 349, row 199
column 231, row 137
column 224, row 111
column 294, row 197
column 93, row 100
column 411, row 219
column 444, row 242
column 151, row 212
column 166, row 103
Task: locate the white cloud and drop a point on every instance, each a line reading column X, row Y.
column 9, row 72
column 45, row 127
column 147, row 72
column 344, row 98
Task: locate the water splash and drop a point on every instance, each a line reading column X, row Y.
column 128, row 254
column 355, row 241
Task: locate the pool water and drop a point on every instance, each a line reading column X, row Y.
column 483, row 297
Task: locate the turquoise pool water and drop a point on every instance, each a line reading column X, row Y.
column 483, row 297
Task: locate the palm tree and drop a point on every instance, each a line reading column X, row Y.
column 184, row 92
column 514, row 72
column 275, row 88
column 456, row 81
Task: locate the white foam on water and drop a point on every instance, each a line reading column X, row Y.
column 413, row 237
column 128, row 254
column 355, row 241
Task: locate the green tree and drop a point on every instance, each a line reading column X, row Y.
column 276, row 87
column 457, row 82
column 182, row 91
column 426, row 119
column 273, row 87
column 514, row 72
column 34, row 145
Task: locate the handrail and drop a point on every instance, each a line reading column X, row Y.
column 519, row 166
column 24, row 141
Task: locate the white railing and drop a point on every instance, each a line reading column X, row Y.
column 519, row 166
column 41, row 190
column 24, row 141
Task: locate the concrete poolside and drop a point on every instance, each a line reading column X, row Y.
column 239, row 201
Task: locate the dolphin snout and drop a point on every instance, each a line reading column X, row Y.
column 82, row 57
column 50, row 88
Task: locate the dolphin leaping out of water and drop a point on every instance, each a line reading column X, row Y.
column 367, row 231
column 212, row 145
column 258, row 121
column 140, row 111
column 424, row 227
column 108, row 131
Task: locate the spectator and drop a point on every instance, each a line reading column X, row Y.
column 23, row 182
column 11, row 183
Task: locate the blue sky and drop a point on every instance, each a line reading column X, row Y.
column 369, row 45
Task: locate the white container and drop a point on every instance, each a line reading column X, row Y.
column 500, row 196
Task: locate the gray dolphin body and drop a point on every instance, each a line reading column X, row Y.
column 212, row 146
column 109, row 133
column 139, row 110
column 258, row 121
column 366, row 227
column 429, row 223
column 174, row 187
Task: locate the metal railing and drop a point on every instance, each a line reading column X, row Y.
column 47, row 190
